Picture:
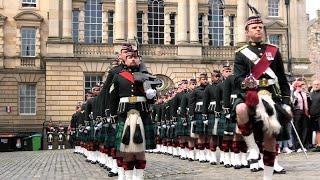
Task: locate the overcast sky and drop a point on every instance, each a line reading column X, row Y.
column 311, row 7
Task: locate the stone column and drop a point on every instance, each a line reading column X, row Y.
column 193, row 16
column 182, row 22
column 242, row 13
column 105, row 20
column 227, row 32
column 81, row 25
column 67, row 19
column 167, row 29
column 53, row 19
column 205, row 30
column 132, row 20
column 145, row 27
column 119, row 21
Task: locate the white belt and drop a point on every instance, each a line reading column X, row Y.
column 133, row 99
column 233, row 96
column 213, row 103
column 266, row 82
column 199, row 103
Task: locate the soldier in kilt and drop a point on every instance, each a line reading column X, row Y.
column 212, row 121
column 181, row 131
column 229, row 126
column 163, row 129
column 169, row 124
column 156, row 114
column 129, row 107
column 265, row 94
column 92, row 113
column 185, row 118
column 238, row 145
column 195, row 110
column 114, row 159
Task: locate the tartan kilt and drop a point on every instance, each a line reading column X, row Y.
column 230, row 125
column 180, row 129
column 150, row 139
column 171, row 132
column 199, row 124
column 110, row 136
column 211, row 121
column 222, row 125
column 102, row 134
column 163, row 132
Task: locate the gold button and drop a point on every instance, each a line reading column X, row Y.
column 259, row 48
column 260, row 54
column 132, row 95
column 132, row 90
column 132, row 85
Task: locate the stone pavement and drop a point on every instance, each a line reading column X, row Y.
column 63, row 164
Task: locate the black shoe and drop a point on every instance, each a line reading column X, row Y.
column 93, row 162
column 254, row 170
column 283, row 171
column 202, row 161
column 111, row 174
column 227, row 166
column 101, row 165
column 243, row 166
column 221, row 162
column 190, row 159
column 316, row 149
column 237, row 166
column 183, row 158
column 213, row 163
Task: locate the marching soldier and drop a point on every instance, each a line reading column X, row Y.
column 185, row 117
column 115, row 160
column 195, row 110
column 264, row 91
column 50, row 131
column 209, row 112
column 129, row 99
column 180, row 128
column 228, row 126
column 61, row 136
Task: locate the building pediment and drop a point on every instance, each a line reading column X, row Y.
column 28, row 16
column 276, row 25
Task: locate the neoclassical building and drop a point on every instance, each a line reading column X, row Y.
column 314, row 45
column 53, row 51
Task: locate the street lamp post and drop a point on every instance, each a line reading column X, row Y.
column 289, row 67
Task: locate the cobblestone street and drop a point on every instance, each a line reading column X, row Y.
column 63, row 164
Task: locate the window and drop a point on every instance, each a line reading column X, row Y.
column 93, row 21
column 140, row 27
column 29, row 3
column 317, row 36
column 90, row 81
column 28, row 42
column 231, row 20
column 216, row 24
column 200, row 26
column 172, row 28
column 156, row 21
column 273, row 8
column 110, row 27
column 275, row 39
column 27, row 99
column 75, row 26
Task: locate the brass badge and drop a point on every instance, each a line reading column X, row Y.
column 133, row 99
column 263, row 82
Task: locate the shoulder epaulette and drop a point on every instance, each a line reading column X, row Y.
column 239, row 49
